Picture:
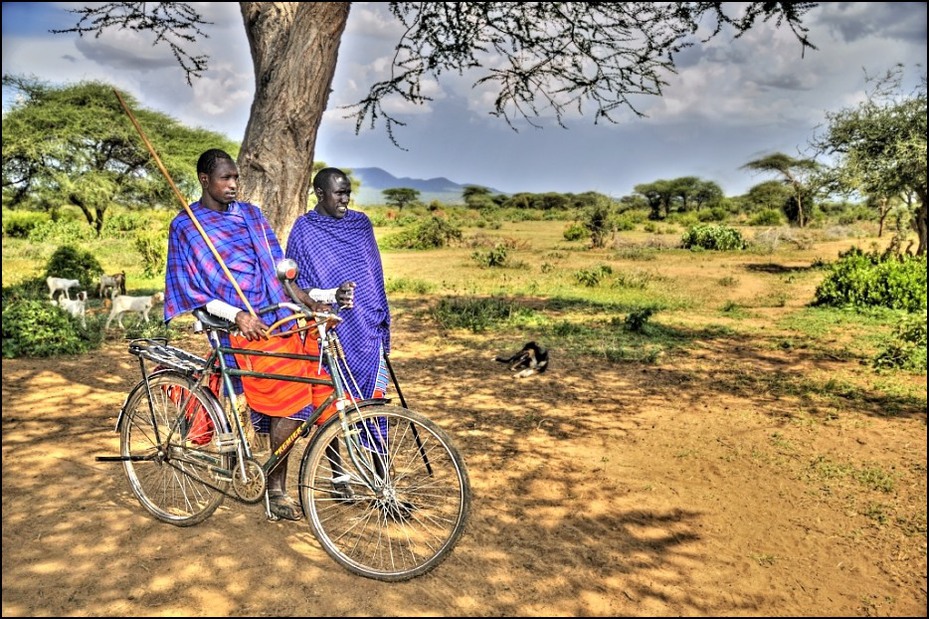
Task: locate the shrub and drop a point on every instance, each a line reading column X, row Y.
column 711, row 236
column 637, row 319
column 61, row 231
column 20, row 224
column 717, row 213
column 403, row 284
column 72, row 263
column 430, row 233
column 906, row 349
column 475, row 314
column 576, row 232
column 592, row 277
column 497, row 256
column 869, row 279
column 36, row 328
column 127, row 222
column 767, row 217
column 153, row 245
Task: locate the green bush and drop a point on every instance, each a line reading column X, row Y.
column 870, row 279
column 20, row 224
column 72, row 263
column 404, row 284
column 717, row 213
column 153, row 245
column 476, row 314
column 592, row 277
column 576, row 232
column 906, row 349
column 767, row 217
column 711, row 236
column 127, row 221
column 497, row 256
column 61, row 231
column 430, row 233
column 36, row 328
column 637, row 319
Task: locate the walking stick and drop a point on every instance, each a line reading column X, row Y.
column 183, row 202
column 419, row 442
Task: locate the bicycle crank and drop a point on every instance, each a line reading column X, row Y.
column 251, row 487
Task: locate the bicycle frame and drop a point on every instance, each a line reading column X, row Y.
column 216, row 363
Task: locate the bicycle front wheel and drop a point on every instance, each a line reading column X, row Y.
column 169, row 448
column 389, row 499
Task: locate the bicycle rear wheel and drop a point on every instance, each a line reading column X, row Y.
column 169, row 448
column 410, row 518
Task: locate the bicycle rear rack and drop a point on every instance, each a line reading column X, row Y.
column 158, row 351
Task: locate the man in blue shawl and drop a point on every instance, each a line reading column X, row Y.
column 333, row 245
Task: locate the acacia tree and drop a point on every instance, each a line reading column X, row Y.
column 72, row 146
column 880, row 147
column 400, row 196
column 550, row 57
column 797, row 174
column 659, row 195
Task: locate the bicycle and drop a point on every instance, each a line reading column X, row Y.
column 385, row 491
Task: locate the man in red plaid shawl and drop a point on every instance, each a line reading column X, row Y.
column 248, row 247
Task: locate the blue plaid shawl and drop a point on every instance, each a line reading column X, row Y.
column 247, row 245
column 330, row 251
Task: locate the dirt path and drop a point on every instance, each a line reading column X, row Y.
column 692, row 487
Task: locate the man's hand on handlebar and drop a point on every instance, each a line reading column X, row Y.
column 251, row 326
column 305, row 299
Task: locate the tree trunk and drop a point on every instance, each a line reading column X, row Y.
column 919, row 224
column 882, row 210
column 291, row 94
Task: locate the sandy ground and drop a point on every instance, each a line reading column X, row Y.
column 691, row 487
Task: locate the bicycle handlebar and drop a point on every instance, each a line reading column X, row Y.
column 286, row 273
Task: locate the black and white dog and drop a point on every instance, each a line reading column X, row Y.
column 531, row 359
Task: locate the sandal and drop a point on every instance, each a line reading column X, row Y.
column 283, row 506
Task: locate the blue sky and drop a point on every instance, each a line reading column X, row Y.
column 732, row 100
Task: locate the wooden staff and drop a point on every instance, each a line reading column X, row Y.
column 183, row 202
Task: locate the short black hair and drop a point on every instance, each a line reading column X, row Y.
column 321, row 180
column 207, row 161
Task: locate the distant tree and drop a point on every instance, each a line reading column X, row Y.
column 477, row 197
column 684, row 189
column 600, row 222
column 707, row 193
column 522, row 200
column 797, row 174
column 880, row 147
column 767, row 195
column 542, row 57
column 73, row 146
column 400, row 196
column 659, row 195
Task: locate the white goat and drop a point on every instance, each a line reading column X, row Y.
column 60, row 284
column 140, row 305
column 75, row 307
column 112, row 285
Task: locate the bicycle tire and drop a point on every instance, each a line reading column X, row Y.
column 170, row 450
column 412, row 522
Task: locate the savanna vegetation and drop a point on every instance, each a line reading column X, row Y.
column 100, row 198
column 795, row 314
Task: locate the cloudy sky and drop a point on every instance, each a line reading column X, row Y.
column 732, row 100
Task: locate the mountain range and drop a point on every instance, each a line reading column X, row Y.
column 375, row 180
